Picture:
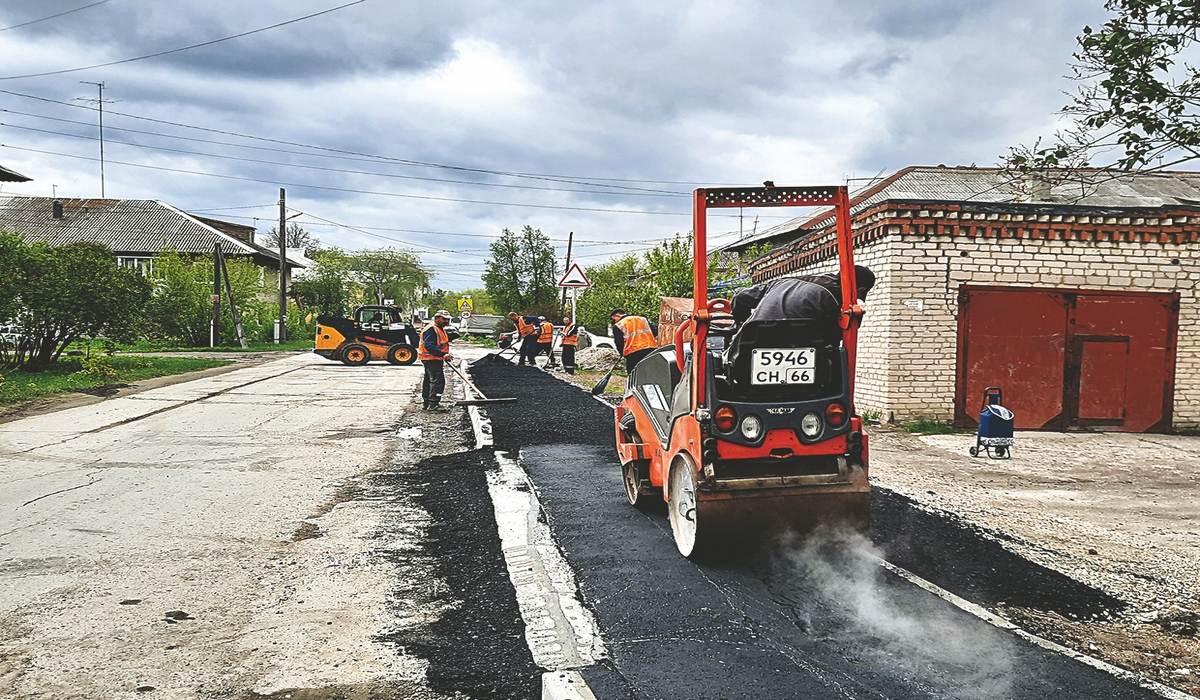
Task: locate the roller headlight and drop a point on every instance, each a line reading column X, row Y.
column 811, row 424
column 751, row 428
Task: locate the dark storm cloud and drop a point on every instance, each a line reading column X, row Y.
column 707, row 91
column 376, row 36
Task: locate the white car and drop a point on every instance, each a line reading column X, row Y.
column 597, row 341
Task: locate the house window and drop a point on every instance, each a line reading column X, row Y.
column 142, row 265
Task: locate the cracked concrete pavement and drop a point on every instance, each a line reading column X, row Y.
column 204, row 539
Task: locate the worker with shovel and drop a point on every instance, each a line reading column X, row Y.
column 528, row 330
column 570, row 341
column 434, row 353
column 545, row 341
column 633, row 336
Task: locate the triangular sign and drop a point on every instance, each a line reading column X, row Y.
column 574, row 278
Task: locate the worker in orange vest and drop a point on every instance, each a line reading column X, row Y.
column 528, row 331
column 545, row 341
column 570, row 341
column 633, row 336
column 434, row 352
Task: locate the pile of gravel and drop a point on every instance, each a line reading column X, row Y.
column 595, row 358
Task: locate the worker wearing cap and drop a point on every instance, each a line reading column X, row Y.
column 570, row 341
column 815, row 297
column 545, row 341
column 528, row 330
column 433, row 353
column 633, row 336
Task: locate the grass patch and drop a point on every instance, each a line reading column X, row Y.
column 255, row 346
column 89, row 374
column 483, row 341
column 929, row 427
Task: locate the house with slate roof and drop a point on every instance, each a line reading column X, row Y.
column 135, row 229
column 7, row 175
column 1076, row 293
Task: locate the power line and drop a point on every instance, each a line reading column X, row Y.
column 359, row 159
column 336, row 170
column 184, row 48
column 578, row 180
column 329, row 188
column 60, row 14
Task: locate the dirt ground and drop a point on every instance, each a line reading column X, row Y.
column 1117, row 512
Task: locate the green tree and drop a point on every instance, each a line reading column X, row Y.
column 523, row 272
column 71, row 292
column 620, row 282
column 390, row 274
column 1134, row 94
column 328, row 287
column 180, row 306
column 669, row 267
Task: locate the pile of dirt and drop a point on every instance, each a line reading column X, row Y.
column 596, row 358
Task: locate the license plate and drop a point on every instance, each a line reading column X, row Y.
column 783, row 366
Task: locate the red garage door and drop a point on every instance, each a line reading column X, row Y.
column 1068, row 359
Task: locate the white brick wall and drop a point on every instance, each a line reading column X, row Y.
column 907, row 357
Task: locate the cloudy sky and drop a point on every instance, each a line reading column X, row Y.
column 431, row 126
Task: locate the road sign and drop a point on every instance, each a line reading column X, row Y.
column 465, row 315
column 574, row 278
column 464, row 304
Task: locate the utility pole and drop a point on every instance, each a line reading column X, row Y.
column 281, row 335
column 100, row 104
column 570, row 242
column 214, row 335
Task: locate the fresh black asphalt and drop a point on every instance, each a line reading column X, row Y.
column 811, row 619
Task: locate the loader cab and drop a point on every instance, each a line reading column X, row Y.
column 379, row 318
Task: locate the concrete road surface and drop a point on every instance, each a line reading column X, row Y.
column 211, row 539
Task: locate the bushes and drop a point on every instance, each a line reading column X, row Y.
column 58, row 294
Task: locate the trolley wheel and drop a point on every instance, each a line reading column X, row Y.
column 1001, row 450
column 356, row 355
column 401, row 354
column 975, row 451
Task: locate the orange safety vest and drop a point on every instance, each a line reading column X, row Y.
column 570, row 335
column 547, row 335
column 638, row 335
column 443, row 343
column 525, row 329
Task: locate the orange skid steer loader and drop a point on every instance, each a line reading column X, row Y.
column 751, row 430
column 374, row 333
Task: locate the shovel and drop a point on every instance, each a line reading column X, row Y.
column 493, row 357
column 603, row 383
column 482, row 400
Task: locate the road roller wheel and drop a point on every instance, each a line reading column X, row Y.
column 401, row 354
column 356, row 355
column 693, row 534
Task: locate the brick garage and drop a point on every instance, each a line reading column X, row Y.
column 1080, row 301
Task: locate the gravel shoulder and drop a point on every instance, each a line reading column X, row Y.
column 1119, row 512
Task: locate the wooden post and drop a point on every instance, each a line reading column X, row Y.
column 214, row 333
column 281, row 336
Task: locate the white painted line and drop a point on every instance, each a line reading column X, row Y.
column 565, row 685
column 997, row 621
column 560, row 631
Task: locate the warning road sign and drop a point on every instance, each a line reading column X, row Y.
column 464, row 304
column 574, row 278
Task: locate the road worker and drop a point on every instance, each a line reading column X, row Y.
column 570, row 341
column 545, row 341
column 633, row 336
column 434, row 353
column 528, row 330
column 815, row 297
